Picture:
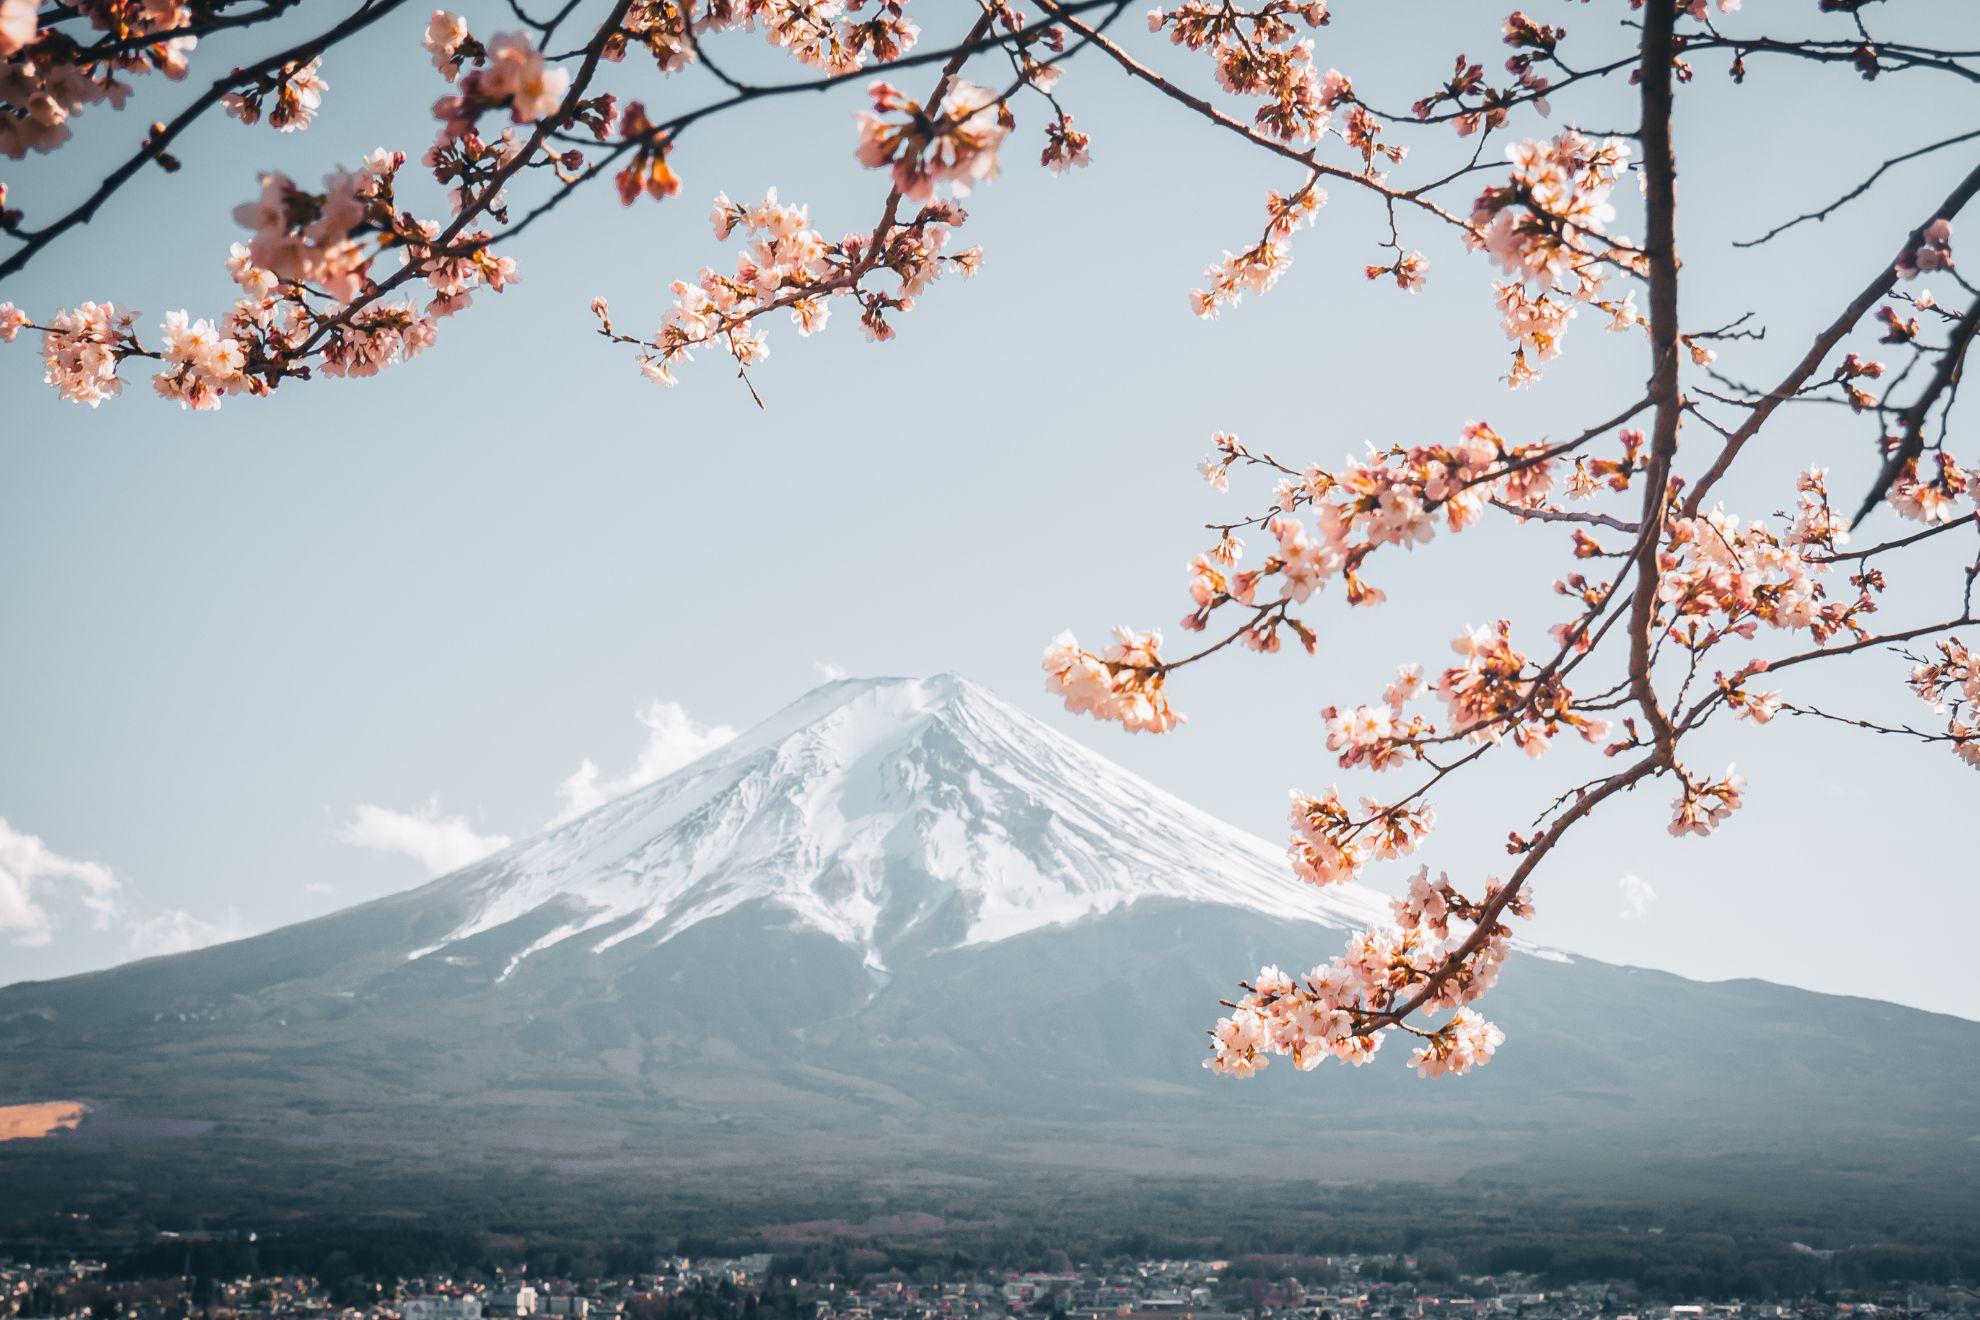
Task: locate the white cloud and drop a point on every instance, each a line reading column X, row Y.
column 672, row 741
column 438, row 843
column 32, row 877
column 319, row 889
column 1637, row 895
column 178, row 931
column 828, row 671
column 44, row 896
column 442, row 843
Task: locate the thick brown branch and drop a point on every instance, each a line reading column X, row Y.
column 1660, row 200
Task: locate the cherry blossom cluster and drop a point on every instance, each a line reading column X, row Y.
column 1817, row 528
column 1723, row 577
column 1392, row 498
column 289, row 97
column 1495, row 692
column 1331, row 845
column 19, row 21
column 1258, row 267
column 1124, row 685
column 1408, row 270
column 837, row 36
column 1704, row 804
column 1310, row 1020
column 300, row 236
column 1379, row 737
column 1593, row 476
column 1937, row 499
column 1460, row 1045
column 313, row 300
column 307, row 266
column 311, row 292
column 1066, row 147
column 1752, row 705
column 510, row 73
column 1301, row 564
column 789, row 266
column 1344, row 1009
column 1474, row 104
column 82, row 349
column 956, row 143
column 1847, row 375
column 647, row 173
column 306, row 273
column 1931, row 250
column 1546, row 227
column 948, row 145
column 47, row 76
column 1950, row 685
column 1258, row 53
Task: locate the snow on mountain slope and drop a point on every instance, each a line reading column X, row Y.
column 895, row 815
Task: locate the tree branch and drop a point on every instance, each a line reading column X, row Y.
column 34, row 240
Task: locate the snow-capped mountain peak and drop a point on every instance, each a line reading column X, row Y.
column 896, row 815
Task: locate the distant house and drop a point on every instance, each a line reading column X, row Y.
column 519, row 1300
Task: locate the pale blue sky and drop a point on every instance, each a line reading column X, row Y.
column 457, row 582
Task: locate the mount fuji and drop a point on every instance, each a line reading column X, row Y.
column 900, row 818
column 903, row 933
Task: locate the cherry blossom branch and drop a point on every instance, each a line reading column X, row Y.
column 1855, row 556
column 155, row 143
column 1911, row 424
column 1823, row 213
column 1899, row 57
column 1700, row 581
column 1824, row 344
column 111, row 47
column 479, row 203
column 1904, row 730
column 1965, row 620
column 671, row 129
column 1307, row 158
column 1552, row 515
column 1535, row 853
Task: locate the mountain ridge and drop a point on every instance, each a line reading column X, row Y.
column 863, row 776
column 901, row 935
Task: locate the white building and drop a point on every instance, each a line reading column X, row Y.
column 441, row 1308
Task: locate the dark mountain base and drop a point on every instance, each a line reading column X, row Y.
column 1052, row 1079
